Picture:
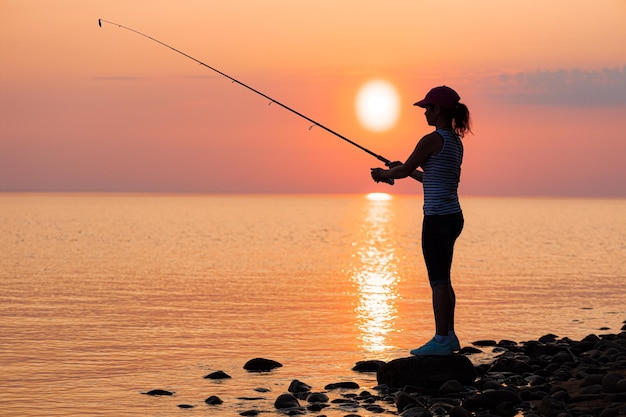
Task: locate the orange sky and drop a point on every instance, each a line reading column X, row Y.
column 84, row 108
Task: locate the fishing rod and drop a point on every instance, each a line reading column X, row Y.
column 386, row 161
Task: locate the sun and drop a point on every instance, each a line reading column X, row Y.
column 377, row 105
column 378, row 197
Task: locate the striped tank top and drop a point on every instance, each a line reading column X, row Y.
column 442, row 173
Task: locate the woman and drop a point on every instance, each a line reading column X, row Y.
column 440, row 154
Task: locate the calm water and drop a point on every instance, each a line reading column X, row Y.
column 106, row 296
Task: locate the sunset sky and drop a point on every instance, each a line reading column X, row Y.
column 84, row 108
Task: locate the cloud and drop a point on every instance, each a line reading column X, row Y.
column 574, row 87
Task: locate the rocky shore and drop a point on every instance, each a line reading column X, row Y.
column 550, row 376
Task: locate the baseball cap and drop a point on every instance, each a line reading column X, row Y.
column 443, row 96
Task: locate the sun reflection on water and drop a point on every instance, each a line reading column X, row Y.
column 375, row 277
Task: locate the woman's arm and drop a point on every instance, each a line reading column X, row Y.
column 429, row 145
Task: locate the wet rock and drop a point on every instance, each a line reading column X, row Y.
column 316, row 407
column 317, row 397
column 593, row 379
column 609, row 382
column 506, row 343
column 286, row 401
column 261, row 365
column 213, row 400
column 158, row 392
column 458, row 412
column 592, row 389
column 469, row 350
column 342, row 385
column 451, row 387
column 405, row 401
column 426, row 371
column 368, row 366
column 185, row 406
column 249, row 413
column 298, row 386
column 549, row 338
column 416, row 412
column 608, row 412
column 485, row 343
column 217, row 375
column 376, row 409
column 505, row 409
column 491, row 399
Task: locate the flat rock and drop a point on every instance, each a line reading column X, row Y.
column 342, row 385
column 261, row 365
column 426, row 371
column 158, row 392
column 368, row 366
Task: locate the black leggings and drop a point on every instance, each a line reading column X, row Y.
column 438, row 236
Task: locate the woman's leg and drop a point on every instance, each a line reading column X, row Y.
column 444, row 301
column 439, row 234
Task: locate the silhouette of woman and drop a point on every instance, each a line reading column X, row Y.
column 439, row 154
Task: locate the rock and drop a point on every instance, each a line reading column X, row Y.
column 491, row 399
column 249, row 413
column 416, row 412
column 317, row 397
column 342, row 385
column 367, row 366
column 468, row 350
column 507, row 343
column 261, row 365
column 451, row 387
column 608, row 412
column 286, row 401
column 185, row 406
column 315, row 407
column 213, row 400
column 157, row 392
column 485, row 343
column 376, row 409
column 592, row 389
column 609, row 382
column 621, row 385
column 458, row 412
column 549, row 338
column 298, row 386
column 217, row 375
column 426, row 371
column 405, row 401
column 593, row 379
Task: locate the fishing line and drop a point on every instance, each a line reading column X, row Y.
column 271, row 100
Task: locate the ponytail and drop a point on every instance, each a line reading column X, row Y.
column 461, row 120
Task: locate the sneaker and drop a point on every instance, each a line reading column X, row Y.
column 433, row 348
column 454, row 343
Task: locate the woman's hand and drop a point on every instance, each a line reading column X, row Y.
column 381, row 175
column 377, row 174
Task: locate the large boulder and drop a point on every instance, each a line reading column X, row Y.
column 426, row 371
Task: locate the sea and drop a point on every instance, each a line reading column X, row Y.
column 104, row 297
